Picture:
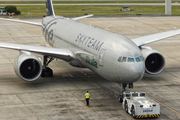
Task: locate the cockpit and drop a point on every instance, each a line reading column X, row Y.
column 130, row 59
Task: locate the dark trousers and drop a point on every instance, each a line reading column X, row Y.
column 87, row 101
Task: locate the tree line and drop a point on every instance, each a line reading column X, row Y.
column 12, row 9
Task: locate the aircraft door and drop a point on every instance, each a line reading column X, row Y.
column 101, row 57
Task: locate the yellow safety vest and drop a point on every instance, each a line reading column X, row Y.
column 87, row 95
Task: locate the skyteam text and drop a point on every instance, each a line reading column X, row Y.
column 89, row 42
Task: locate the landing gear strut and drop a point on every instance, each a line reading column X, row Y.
column 46, row 71
column 123, row 87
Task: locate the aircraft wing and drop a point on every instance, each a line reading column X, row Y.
column 64, row 54
column 40, row 24
column 154, row 37
column 77, row 18
column 21, row 21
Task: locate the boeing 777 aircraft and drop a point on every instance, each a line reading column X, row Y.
column 112, row 56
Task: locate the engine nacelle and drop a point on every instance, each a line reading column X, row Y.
column 154, row 60
column 27, row 66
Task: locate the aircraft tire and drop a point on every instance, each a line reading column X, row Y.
column 50, row 72
column 43, row 73
column 47, row 72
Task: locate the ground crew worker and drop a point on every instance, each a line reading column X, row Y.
column 87, row 97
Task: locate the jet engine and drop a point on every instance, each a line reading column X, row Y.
column 27, row 66
column 154, row 60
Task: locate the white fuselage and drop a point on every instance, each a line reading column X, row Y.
column 95, row 48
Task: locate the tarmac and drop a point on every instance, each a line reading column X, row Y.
column 62, row 96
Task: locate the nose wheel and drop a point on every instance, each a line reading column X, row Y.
column 123, row 88
column 46, row 71
column 120, row 98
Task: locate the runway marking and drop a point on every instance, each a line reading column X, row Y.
column 148, row 24
column 70, row 75
column 107, row 27
column 173, row 26
column 159, row 102
column 97, row 83
column 34, row 114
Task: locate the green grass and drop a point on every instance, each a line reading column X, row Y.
column 70, row 2
column 67, row 11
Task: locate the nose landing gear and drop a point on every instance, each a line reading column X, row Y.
column 123, row 87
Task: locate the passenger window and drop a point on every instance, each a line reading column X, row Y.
column 124, row 59
column 120, row 59
column 138, row 59
column 130, row 59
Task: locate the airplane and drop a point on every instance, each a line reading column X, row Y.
column 110, row 55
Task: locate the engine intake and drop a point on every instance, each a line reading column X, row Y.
column 28, row 67
column 154, row 61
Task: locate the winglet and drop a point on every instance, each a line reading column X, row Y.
column 86, row 16
column 49, row 8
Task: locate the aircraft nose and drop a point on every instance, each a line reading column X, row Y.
column 136, row 71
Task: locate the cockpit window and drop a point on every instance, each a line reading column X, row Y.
column 124, row 59
column 130, row 59
column 138, row 59
column 141, row 57
column 120, row 59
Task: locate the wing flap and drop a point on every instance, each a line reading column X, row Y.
column 64, row 54
column 155, row 37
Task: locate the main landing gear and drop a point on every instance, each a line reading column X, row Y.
column 123, row 88
column 46, row 71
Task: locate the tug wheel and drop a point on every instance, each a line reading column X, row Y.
column 133, row 112
column 126, row 106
